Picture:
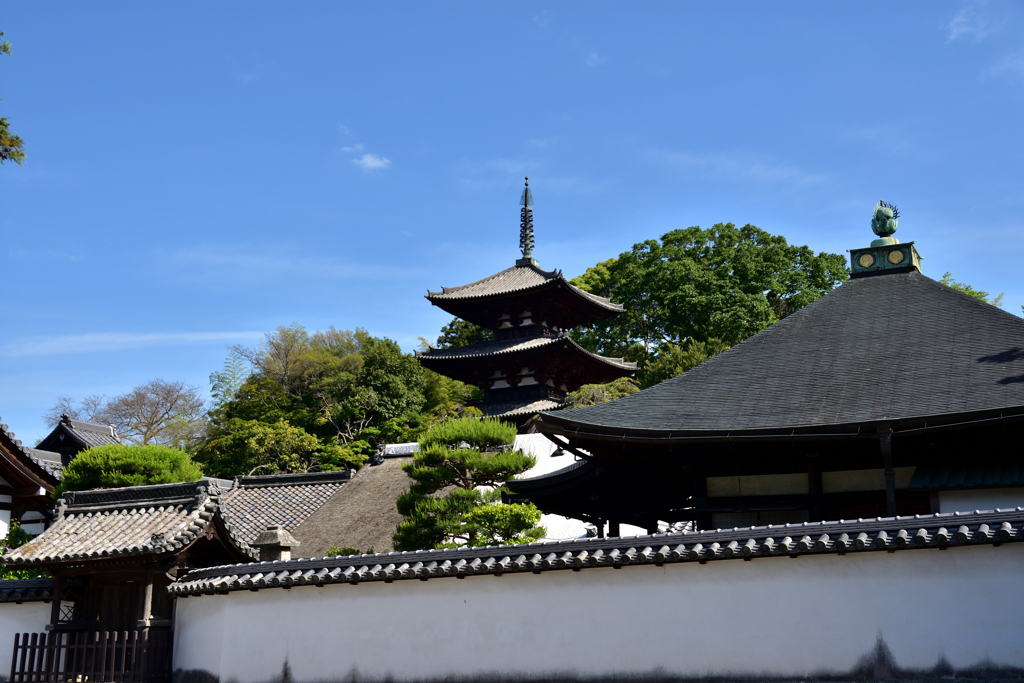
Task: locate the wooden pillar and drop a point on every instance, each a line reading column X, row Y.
column 885, row 444
column 55, row 601
column 146, row 608
column 814, row 487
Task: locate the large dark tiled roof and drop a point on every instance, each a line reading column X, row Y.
column 254, row 503
column 880, row 348
column 48, row 460
column 89, row 434
column 23, row 456
column 883, row 534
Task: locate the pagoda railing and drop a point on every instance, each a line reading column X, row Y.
column 138, row 656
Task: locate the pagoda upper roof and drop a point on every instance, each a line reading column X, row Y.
column 524, row 278
column 892, row 347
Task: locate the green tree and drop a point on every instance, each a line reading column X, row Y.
column 455, row 498
column 592, row 394
column 345, row 390
column 724, row 283
column 12, row 147
column 673, row 360
column 461, row 332
column 947, row 279
column 115, row 466
column 17, row 537
column 226, row 383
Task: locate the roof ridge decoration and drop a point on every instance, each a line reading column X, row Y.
column 888, row 534
column 292, row 479
column 885, row 254
column 526, row 242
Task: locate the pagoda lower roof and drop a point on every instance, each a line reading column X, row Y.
column 885, row 349
column 517, row 408
column 505, row 347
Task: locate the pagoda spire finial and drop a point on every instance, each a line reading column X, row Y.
column 526, row 226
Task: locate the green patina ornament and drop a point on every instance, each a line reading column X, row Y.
column 883, row 222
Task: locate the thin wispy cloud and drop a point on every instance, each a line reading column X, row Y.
column 372, row 162
column 247, row 72
column 99, row 342
column 736, row 165
column 353, row 149
column 973, row 22
column 594, row 59
column 543, row 18
column 233, row 264
column 1011, row 66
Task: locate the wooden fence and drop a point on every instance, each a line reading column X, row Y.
column 141, row 656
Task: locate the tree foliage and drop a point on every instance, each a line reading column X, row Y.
column 17, row 537
column 455, row 498
column 12, row 147
column 157, row 412
column 592, row 394
column 947, row 279
column 114, row 466
column 320, row 401
column 461, row 332
column 716, row 286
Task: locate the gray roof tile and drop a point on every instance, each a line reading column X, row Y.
column 518, row 278
column 255, row 503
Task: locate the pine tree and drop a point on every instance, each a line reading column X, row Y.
column 455, row 499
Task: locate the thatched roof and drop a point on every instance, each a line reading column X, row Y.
column 362, row 514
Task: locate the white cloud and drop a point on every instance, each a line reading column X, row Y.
column 113, row 341
column 973, row 22
column 737, row 165
column 358, row 147
column 344, row 130
column 594, row 59
column 543, row 18
column 371, row 162
column 1011, row 65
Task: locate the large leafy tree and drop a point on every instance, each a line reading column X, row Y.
column 461, row 332
column 455, row 498
column 12, row 147
column 715, row 287
column 317, row 401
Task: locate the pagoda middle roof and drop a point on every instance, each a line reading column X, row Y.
column 518, row 278
column 879, row 349
column 502, row 347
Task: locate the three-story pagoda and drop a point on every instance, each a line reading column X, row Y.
column 532, row 363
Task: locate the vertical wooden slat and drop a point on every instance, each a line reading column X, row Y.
column 90, row 655
column 125, row 674
column 32, row 655
column 14, row 656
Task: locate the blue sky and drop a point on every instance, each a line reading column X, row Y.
column 201, row 172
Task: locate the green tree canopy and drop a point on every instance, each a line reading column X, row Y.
column 319, row 401
column 947, row 279
column 592, row 394
column 716, row 286
column 461, row 332
column 12, row 147
column 455, row 498
column 114, row 466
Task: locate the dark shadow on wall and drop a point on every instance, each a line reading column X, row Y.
column 876, row 665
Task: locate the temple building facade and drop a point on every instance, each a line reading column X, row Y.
column 891, row 395
column 532, row 362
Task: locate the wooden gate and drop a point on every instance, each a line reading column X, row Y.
column 139, row 656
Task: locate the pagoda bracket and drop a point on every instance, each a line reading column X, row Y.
column 528, row 261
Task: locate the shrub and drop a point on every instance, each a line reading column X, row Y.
column 114, row 466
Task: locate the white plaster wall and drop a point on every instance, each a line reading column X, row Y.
column 776, row 616
column 5, row 515
column 28, row 617
column 980, row 499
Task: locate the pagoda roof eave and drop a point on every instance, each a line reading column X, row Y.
column 519, row 279
column 498, row 348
